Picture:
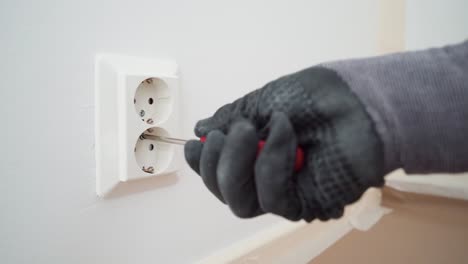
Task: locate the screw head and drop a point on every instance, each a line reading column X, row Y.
column 148, row 170
column 142, row 113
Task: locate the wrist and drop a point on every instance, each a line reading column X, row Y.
column 375, row 104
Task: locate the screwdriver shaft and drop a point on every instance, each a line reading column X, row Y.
column 298, row 164
column 164, row 139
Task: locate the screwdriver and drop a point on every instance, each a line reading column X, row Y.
column 298, row 164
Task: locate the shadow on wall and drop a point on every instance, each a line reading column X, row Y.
column 138, row 186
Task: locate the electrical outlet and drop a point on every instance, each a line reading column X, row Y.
column 134, row 96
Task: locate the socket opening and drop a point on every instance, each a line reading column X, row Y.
column 152, row 100
column 151, row 155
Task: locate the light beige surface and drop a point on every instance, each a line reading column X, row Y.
column 290, row 242
column 421, row 229
column 391, row 34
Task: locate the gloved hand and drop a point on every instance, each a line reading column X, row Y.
column 314, row 109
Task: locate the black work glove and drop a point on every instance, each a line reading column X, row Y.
column 313, row 109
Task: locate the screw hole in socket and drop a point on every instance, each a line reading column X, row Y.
column 153, row 156
column 152, row 100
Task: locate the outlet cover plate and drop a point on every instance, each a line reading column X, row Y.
column 118, row 125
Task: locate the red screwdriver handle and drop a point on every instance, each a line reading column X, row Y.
column 298, row 163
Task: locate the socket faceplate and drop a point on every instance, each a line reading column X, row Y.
column 134, row 96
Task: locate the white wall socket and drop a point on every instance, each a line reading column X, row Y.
column 134, row 96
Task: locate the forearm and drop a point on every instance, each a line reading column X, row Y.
column 419, row 103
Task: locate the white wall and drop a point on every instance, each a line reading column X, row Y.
column 49, row 210
column 435, row 22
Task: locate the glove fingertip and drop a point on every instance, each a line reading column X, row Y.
column 219, row 121
column 192, row 152
column 200, row 129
